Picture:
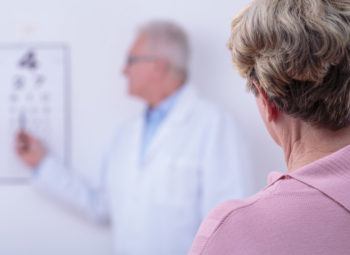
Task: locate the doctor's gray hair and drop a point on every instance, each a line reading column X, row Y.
column 169, row 41
column 298, row 52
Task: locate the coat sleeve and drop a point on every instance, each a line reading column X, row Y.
column 224, row 164
column 72, row 190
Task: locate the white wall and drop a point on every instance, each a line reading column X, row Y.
column 98, row 34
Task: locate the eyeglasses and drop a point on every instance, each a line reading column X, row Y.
column 135, row 59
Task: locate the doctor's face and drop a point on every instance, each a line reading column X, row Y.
column 141, row 69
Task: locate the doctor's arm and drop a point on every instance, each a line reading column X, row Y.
column 54, row 179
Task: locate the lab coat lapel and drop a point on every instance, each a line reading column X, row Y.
column 136, row 140
column 177, row 115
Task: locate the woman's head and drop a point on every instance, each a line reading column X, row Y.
column 298, row 53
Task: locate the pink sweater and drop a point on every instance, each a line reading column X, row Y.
column 303, row 212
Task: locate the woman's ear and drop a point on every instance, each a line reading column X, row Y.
column 270, row 110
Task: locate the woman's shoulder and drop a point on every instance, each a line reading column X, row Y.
column 218, row 219
column 262, row 219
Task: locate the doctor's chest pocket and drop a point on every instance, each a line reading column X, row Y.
column 177, row 185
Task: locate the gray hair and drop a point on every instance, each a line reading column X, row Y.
column 168, row 40
column 298, row 52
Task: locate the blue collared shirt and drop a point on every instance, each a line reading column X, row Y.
column 154, row 117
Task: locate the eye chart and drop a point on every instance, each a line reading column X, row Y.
column 34, row 96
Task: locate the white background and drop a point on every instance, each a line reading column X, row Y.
column 99, row 34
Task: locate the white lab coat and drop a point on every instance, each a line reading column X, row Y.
column 193, row 162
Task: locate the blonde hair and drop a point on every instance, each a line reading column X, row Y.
column 298, row 52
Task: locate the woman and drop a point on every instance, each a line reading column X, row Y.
column 295, row 55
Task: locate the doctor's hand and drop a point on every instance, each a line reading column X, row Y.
column 29, row 149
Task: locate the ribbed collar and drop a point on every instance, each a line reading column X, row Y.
column 330, row 175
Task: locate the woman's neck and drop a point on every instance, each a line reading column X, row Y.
column 307, row 144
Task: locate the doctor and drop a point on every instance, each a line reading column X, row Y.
column 166, row 168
